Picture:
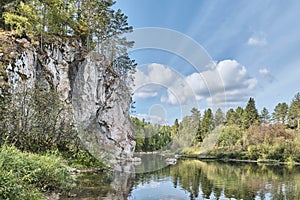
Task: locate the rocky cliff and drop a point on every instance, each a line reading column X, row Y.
column 99, row 99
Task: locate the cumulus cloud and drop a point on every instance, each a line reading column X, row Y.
column 258, row 39
column 227, row 82
column 266, row 74
column 151, row 78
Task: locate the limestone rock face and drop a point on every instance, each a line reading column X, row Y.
column 99, row 99
column 101, row 108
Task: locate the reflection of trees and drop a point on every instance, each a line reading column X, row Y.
column 233, row 180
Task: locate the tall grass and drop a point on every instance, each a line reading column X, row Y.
column 28, row 176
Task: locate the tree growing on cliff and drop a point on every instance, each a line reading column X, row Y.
column 99, row 27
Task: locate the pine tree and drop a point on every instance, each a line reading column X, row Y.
column 280, row 113
column 265, row 116
column 294, row 112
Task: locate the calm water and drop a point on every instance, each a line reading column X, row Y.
column 193, row 179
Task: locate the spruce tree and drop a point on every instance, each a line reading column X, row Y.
column 250, row 115
column 207, row 121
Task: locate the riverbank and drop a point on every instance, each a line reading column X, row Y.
column 25, row 175
column 226, row 159
column 218, row 157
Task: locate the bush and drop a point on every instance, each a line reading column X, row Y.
column 12, row 187
column 79, row 157
column 35, row 120
column 26, row 175
column 230, row 137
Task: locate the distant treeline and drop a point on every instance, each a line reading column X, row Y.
column 240, row 133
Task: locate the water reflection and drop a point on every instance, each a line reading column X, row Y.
column 194, row 179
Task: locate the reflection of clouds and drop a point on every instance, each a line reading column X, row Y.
column 162, row 190
column 151, row 184
column 227, row 76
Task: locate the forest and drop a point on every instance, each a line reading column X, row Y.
column 241, row 133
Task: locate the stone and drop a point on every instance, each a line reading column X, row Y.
column 99, row 100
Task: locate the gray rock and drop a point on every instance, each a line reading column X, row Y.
column 98, row 98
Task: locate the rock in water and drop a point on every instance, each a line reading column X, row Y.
column 99, row 99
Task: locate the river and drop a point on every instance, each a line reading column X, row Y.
column 192, row 179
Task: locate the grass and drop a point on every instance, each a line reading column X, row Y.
column 29, row 176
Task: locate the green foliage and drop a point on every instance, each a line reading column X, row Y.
column 250, row 114
column 294, row 113
column 12, row 188
column 265, row 116
column 219, row 117
column 207, row 123
column 94, row 22
column 280, row 113
column 79, row 157
column 235, row 117
column 238, row 138
column 35, row 120
column 26, row 175
column 231, row 137
column 21, row 19
column 230, row 117
column 150, row 137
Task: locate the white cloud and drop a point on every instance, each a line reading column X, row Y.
column 266, row 74
column 146, row 92
column 254, row 41
column 151, row 78
column 155, row 119
column 264, row 71
column 227, row 82
column 257, row 39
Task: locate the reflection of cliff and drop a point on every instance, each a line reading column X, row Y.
column 199, row 180
column 110, row 185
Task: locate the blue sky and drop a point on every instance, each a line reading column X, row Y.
column 254, row 47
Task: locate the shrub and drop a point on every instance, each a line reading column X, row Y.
column 230, row 137
column 12, row 187
column 26, row 175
